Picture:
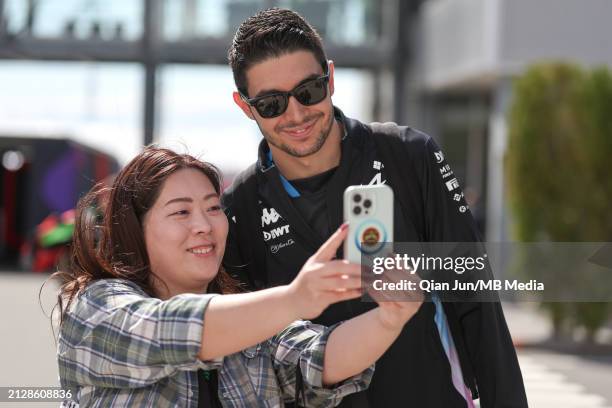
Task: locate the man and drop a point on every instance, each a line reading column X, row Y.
column 283, row 207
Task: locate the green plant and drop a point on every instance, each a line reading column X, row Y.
column 558, row 168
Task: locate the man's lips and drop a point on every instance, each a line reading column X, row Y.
column 301, row 131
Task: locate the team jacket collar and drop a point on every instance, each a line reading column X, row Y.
column 279, row 192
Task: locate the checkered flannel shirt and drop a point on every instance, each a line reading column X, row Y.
column 120, row 347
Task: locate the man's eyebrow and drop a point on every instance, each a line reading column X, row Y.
column 265, row 92
column 189, row 200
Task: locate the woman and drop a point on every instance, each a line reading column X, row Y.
column 142, row 324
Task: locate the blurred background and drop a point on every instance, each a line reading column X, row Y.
column 517, row 92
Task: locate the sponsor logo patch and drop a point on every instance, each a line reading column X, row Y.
column 276, row 232
column 452, row 184
column 269, row 216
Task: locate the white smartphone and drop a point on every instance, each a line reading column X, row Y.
column 369, row 212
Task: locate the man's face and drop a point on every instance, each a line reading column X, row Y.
column 301, row 130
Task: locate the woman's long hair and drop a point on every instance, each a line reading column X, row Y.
column 108, row 240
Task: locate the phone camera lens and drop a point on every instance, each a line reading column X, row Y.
column 357, row 198
column 357, row 210
column 367, row 203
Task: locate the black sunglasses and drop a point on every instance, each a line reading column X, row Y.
column 275, row 104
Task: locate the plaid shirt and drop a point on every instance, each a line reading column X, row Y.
column 120, row 347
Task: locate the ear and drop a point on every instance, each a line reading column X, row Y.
column 246, row 108
column 330, row 68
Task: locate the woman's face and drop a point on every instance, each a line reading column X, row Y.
column 185, row 233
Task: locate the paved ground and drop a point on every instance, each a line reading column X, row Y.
column 560, row 381
column 27, row 348
column 553, row 380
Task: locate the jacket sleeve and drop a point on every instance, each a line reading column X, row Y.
column 486, row 335
column 116, row 336
column 301, row 346
column 234, row 260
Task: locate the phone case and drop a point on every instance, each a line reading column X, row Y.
column 369, row 212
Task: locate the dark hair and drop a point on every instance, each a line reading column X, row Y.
column 271, row 33
column 108, row 240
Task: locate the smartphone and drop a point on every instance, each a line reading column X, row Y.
column 369, row 212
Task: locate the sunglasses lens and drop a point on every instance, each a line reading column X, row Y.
column 271, row 106
column 311, row 92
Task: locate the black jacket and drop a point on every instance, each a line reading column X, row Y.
column 415, row 370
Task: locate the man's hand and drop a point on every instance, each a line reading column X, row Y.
column 323, row 281
column 396, row 308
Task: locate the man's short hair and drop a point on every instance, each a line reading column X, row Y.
column 271, row 33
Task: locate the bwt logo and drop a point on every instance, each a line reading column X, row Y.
column 269, row 217
column 276, row 232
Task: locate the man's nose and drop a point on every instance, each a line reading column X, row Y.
column 295, row 111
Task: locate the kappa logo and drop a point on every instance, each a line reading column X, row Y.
column 269, row 216
column 439, row 156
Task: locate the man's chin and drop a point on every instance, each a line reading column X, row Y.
column 301, row 152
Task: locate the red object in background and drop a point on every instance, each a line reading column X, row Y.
column 46, row 225
column 68, row 217
column 55, row 173
column 11, row 237
column 102, row 167
column 50, row 245
column 45, row 259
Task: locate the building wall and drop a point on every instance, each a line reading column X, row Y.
column 479, row 46
column 476, row 42
column 460, row 41
column 533, row 30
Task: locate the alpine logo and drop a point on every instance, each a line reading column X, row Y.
column 439, row 156
column 269, row 216
column 376, row 180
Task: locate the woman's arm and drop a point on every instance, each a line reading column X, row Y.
column 338, row 361
column 235, row 322
column 359, row 342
